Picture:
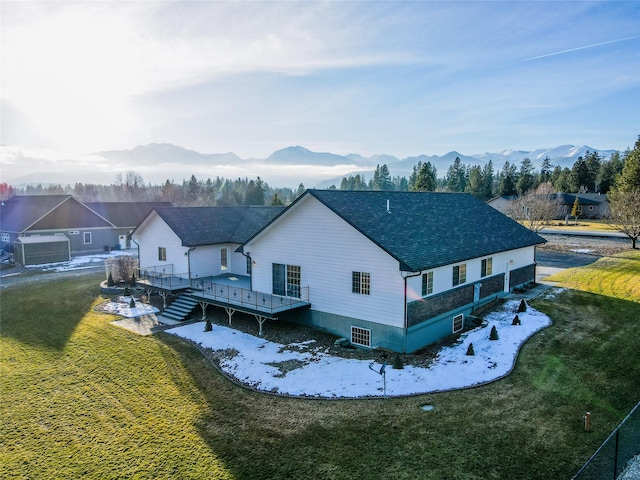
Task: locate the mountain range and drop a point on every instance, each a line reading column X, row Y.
column 289, row 166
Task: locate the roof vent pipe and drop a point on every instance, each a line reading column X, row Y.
column 388, row 211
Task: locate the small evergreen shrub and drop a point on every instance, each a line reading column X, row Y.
column 516, row 320
column 132, row 303
column 126, row 291
column 494, row 333
column 207, row 326
column 110, row 281
column 470, row 351
column 133, row 279
column 397, row 362
column 523, row 306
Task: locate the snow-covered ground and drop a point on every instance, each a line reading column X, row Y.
column 122, row 308
column 80, row 262
column 311, row 372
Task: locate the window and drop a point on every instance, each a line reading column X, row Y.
column 6, row 237
column 248, row 265
column 87, row 237
column 458, row 323
column 459, row 274
column 286, row 280
column 74, row 232
column 427, row 283
column 224, row 259
column 162, row 254
column 361, row 283
column 487, row 267
column 361, row 336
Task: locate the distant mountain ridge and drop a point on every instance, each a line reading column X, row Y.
column 158, row 162
column 158, row 153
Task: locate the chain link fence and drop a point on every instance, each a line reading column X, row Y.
column 614, row 455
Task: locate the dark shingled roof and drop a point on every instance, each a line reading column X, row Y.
column 125, row 214
column 215, row 225
column 425, row 230
column 23, row 212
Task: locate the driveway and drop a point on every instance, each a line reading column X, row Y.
column 549, row 263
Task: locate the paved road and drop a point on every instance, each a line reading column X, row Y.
column 549, row 263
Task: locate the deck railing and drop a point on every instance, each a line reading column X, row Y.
column 163, row 277
column 260, row 301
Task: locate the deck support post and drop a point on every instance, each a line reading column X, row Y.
column 203, row 305
column 261, row 321
column 164, row 298
column 230, row 312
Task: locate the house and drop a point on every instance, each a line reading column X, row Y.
column 590, row 205
column 88, row 228
column 393, row 270
column 183, row 247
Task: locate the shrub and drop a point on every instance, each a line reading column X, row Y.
column 132, row 303
column 470, row 351
column 110, row 281
column 133, row 279
column 494, row 333
column 397, row 362
column 523, row 306
column 207, row 326
column 126, row 291
column 516, row 320
column 122, row 267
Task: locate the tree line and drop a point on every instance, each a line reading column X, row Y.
column 590, row 173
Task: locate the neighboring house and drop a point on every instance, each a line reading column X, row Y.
column 89, row 228
column 393, row 270
column 591, row 205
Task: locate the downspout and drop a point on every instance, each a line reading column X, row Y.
column 189, row 262
column 406, row 327
column 248, row 255
column 138, row 248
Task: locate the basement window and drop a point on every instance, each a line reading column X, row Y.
column 458, row 323
column 361, row 336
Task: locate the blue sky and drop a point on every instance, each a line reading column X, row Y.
column 402, row 78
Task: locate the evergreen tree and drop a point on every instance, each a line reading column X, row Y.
column 425, row 178
column 384, row 180
column 507, row 180
column 629, row 178
column 593, row 162
column 456, row 180
column 545, row 170
column 579, row 176
column 254, row 194
column 275, row 200
column 487, row 179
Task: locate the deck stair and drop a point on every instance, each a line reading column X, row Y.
column 180, row 309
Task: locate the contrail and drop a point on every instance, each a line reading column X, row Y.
column 580, row 48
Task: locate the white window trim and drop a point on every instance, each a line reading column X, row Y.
column 360, row 333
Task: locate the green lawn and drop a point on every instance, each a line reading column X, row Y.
column 80, row 397
column 617, row 276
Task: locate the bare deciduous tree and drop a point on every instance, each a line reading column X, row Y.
column 624, row 213
column 122, row 267
column 537, row 208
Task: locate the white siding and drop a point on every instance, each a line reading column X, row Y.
column 156, row 233
column 205, row 261
column 443, row 276
column 328, row 250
